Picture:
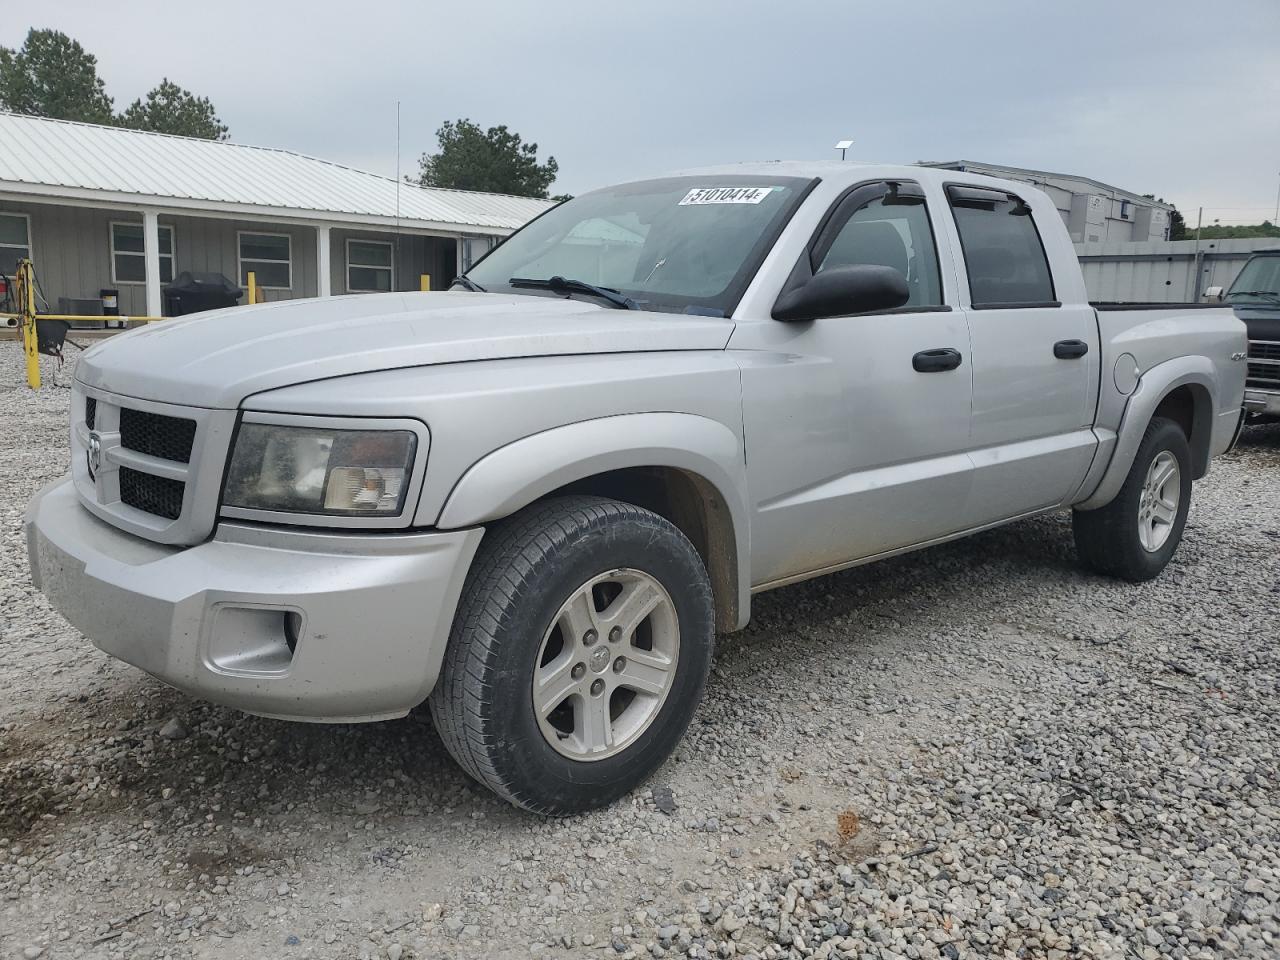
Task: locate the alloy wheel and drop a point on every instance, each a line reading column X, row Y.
column 606, row 665
column 1158, row 502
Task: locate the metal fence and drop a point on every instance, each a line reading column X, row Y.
column 1163, row 271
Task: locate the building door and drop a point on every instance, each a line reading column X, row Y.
column 470, row 250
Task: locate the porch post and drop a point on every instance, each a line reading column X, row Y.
column 322, row 261
column 151, row 261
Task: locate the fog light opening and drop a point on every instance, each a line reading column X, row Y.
column 253, row 640
column 292, row 629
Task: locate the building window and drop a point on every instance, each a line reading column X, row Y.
column 15, row 241
column 269, row 257
column 128, row 257
column 369, row 268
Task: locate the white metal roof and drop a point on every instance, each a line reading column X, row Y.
column 82, row 161
column 1022, row 173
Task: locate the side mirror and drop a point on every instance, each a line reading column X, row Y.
column 840, row 291
column 1215, row 295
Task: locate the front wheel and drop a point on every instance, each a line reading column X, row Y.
column 1135, row 535
column 578, row 654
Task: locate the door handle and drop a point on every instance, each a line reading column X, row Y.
column 1070, row 349
column 936, row 361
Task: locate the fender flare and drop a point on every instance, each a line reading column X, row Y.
column 1156, row 384
column 515, row 475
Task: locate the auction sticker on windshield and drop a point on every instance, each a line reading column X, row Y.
column 701, row 195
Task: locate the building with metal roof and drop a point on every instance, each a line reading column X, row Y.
column 100, row 207
column 1094, row 212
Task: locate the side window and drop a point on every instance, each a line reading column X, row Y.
column 269, row 256
column 370, row 267
column 128, row 257
column 15, row 241
column 1003, row 254
column 891, row 230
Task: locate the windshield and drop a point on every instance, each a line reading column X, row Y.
column 683, row 244
column 1258, row 281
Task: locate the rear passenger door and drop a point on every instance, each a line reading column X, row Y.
column 1034, row 358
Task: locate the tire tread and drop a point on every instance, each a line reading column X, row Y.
column 1103, row 536
column 505, row 566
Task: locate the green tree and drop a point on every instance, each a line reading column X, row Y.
column 53, row 76
column 1238, row 231
column 494, row 161
column 170, row 109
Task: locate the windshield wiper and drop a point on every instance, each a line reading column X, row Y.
column 468, row 283
column 567, row 285
column 1265, row 294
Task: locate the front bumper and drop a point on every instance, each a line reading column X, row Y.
column 370, row 613
column 1262, row 403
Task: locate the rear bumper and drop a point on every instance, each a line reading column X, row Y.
column 1262, row 403
column 371, row 613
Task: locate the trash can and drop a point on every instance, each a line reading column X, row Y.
column 194, row 292
column 110, row 300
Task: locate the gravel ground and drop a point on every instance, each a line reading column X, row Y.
column 976, row 750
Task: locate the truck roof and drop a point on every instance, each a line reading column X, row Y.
column 850, row 171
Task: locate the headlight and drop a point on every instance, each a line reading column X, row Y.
column 316, row 470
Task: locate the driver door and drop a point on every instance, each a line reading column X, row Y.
column 857, row 441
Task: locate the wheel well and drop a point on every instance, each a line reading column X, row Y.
column 1191, row 408
column 695, row 506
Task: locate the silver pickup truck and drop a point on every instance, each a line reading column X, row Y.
column 531, row 501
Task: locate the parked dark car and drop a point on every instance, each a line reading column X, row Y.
column 1256, row 298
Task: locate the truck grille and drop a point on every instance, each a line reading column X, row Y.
column 1264, row 365
column 159, row 496
column 149, row 467
column 169, row 438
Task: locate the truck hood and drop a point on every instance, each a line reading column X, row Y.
column 217, row 359
column 1262, row 321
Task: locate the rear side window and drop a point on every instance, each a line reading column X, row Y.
column 1003, row 254
column 891, row 231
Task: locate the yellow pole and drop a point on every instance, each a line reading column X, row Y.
column 27, row 303
column 253, row 288
column 424, row 282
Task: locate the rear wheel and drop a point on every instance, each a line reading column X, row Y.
column 578, row 655
column 1135, row 535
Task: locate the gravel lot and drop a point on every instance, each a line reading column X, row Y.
column 973, row 751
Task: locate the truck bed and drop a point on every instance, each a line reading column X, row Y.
column 1152, row 305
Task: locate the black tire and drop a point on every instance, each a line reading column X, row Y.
column 525, row 570
column 1107, row 539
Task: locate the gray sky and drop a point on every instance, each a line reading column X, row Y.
column 1171, row 97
